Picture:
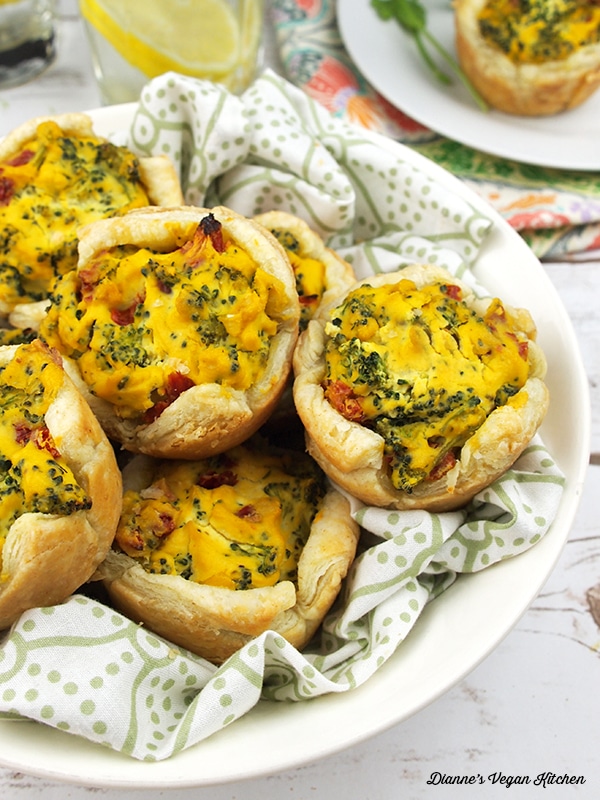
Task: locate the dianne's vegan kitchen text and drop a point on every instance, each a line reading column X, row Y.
column 541, row 779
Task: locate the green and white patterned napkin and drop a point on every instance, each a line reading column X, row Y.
column 83, row 668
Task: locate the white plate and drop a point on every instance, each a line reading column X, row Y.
column 389, row 60
column 455, row 632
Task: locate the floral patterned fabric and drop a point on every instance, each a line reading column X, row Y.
column 557, row 212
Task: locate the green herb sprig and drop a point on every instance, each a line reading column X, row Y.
column 412, row 17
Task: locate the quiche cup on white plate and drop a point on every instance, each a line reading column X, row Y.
column 179, row 326
column 212, row 553
column 61, row 490
column 531, row 59
column 416, row 394
column 58, row 175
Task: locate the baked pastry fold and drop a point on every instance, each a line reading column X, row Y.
column 56, row 176
column 61, row 486
column 210, row 554
column 530, row 59
column 320, row 272
column 179, row 326
column 410, row 418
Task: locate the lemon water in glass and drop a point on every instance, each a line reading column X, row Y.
column 27, row 42
column 134, row 41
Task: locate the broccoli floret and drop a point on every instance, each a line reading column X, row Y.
column 125, row 347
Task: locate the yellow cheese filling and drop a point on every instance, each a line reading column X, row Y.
column 56, row 183
column 10, row 336
column 238, row 520
column 422, row 370
column 534, row 31
column 34, row 477
column 309, row 273
column 145, row 326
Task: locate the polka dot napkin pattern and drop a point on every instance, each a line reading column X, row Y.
column 87, row 670
column 274, row 147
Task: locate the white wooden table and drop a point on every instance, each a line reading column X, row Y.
column 532, row 706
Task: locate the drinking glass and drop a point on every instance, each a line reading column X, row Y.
column 134, row 41
column 27, row 40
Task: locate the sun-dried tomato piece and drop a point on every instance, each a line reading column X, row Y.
column 443, row 466
column 212, row 480
column 24, row 157
column 345, row 402
column 212, row 227
column 88, row 278
column 453, row 291
column 7, row 189
column 40, row 436
column 168, row 525
column 250, row 513
column 125, row 316
column 177, row 383
column 131, row 540
column 43, row 441
column 524, row 350
column 22, row 432
column 522, row 347
column 495, row 316
column 163, row 287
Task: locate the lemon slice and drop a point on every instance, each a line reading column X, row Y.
column 195, row 37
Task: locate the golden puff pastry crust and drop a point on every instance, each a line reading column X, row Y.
column 213, row 619
column 182, row 340
column 59, row 517
column 356, row 449
column 107, row 181
column 320, row 275
column 157, row 172
column 320, row 272
column 535, row 86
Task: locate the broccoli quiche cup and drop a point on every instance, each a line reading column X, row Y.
column 56, row 174
column 210, row 553
column 416, row 394
column 320, row 272
column 180, row 326
column 530, row 57
column 61, row 494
